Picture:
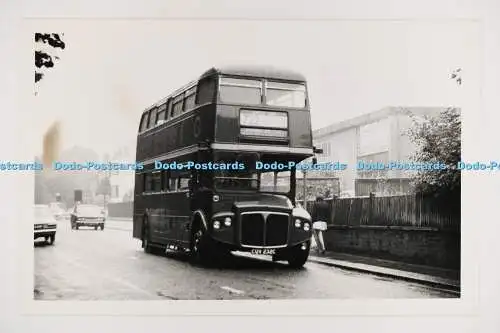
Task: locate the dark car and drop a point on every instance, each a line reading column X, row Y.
column 45, row 225
column 87, row 216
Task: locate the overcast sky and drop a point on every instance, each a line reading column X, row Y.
column 110, row 71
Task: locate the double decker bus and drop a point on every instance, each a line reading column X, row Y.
column 211, row 181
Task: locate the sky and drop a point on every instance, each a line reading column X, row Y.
column 111, row 70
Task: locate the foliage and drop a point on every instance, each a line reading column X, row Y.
column 438, row 140
column 42, row 58
column 325, row 187
column 457, row 76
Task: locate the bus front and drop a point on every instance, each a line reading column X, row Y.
column 262, row 123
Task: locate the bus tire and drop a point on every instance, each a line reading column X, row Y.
column 298, row 257
column 201, row 245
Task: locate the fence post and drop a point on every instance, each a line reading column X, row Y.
column 370, row 209
column 332, row 210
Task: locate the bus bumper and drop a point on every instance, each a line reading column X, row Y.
column 257, row 238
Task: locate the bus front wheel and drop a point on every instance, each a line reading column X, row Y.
column 201, row 246
column 298, row 255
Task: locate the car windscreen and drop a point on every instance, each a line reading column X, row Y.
column 89, row 211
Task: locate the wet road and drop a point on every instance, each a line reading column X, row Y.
column 111, row 265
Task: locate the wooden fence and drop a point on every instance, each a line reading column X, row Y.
column 399, row 211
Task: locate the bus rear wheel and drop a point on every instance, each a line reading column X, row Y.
column 297, row 257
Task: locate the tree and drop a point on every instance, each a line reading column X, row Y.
column 42, row 58
column 438, row 140
column 457, row 76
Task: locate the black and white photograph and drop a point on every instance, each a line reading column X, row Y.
column 250, row 159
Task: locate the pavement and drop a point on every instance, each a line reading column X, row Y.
column 427, row 275
column 432, row 276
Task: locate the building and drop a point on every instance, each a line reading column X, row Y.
column 378, row 136
column 121, row 182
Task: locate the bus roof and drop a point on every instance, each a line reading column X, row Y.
column 261, row 71
column 267, row 72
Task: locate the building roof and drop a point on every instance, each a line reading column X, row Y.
column 268, row 72
column 372, row 117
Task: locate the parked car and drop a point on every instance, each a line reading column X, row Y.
column 87, row 216
column 45, row 225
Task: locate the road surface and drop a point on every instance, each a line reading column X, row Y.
column 110, row 265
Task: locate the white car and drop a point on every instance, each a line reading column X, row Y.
column 88, row 216
column 45, row 224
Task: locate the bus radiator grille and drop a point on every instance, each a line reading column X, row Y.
column 252, row 229
column 276, row 230
column 258, row 231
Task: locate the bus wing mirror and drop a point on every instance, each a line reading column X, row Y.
column 315, row 161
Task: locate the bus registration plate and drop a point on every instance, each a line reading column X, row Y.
column 263, row 251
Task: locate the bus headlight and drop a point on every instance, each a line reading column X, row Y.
column 216, row 225
column 227, row 221
column 306, row 227
column 297, row 223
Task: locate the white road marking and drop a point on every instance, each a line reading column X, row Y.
column 232, row 290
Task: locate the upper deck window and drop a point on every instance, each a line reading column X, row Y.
column 177, row 105
column 189, row 101
column 144, row 122
column 240, row 91
column 160, row 116
column 152, row 118
column 285, row 94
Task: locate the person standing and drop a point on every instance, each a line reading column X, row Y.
column 320, row 215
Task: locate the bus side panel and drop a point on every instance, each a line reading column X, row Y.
column 138, row 211
column 227, row 124
column 137, row 227
column 205, row 126
column 138, row 218
column 300, row 129
column 188, row 130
